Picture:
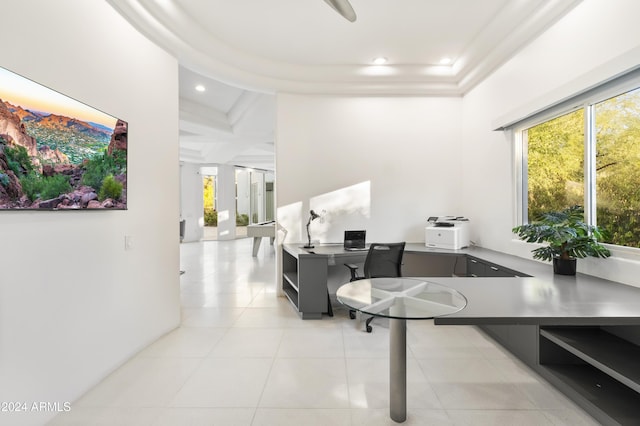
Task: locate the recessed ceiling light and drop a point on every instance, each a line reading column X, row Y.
column 200, row 88
column 380, row 60
column 445, row 61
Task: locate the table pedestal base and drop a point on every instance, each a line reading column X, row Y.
column 399, row 299
column 398, row 369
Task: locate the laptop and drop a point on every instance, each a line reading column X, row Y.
column 355, row 240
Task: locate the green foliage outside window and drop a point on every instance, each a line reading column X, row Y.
column 210, row 217
column 210, row 213
column 618, row 168
column 207, row 193
column 556, row 166
column 242, row 219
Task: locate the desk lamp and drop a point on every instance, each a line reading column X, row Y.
column 312, row 216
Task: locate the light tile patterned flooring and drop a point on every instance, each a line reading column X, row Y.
column 242, row 356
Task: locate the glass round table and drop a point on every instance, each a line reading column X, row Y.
column 400, row 299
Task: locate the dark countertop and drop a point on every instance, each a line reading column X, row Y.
column 544, row 298
column 579, row 300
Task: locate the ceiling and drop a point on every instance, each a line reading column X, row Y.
column 245, row 51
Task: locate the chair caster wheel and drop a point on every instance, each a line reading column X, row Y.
column 369, row 329
column 352, row 315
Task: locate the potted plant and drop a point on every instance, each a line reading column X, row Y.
column 568, row 238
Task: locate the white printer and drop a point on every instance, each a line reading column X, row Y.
column 447, row 232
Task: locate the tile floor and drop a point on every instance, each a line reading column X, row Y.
column 243, row 357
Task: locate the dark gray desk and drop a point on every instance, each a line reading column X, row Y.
column 580, row 300
column 305, row 273
column 581, row 333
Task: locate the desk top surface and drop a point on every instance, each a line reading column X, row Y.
column 543, row 298
column 337, row 249
column 534, row 300
column 402, row 298
column 321, row 249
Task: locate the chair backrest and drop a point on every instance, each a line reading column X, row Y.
column 384, row 260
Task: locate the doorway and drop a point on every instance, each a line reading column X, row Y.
column 254, row 200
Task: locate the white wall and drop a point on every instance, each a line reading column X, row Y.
column 243, row 192
column 73, row 303
column 378, row 163
column 226, row 202
column 594, row 41
column 258, row 180
column 192, row 201
column 385, row 164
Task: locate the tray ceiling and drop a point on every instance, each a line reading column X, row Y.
column 247, row 50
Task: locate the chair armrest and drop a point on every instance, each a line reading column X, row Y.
column 354, row 271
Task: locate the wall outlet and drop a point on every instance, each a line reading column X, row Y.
column 128, row 242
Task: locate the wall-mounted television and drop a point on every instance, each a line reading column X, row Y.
column 57, row 153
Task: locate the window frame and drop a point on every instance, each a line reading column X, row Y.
column 587, row 101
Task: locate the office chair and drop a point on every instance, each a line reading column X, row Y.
column 383, row 260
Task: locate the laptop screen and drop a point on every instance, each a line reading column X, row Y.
column 354, row 239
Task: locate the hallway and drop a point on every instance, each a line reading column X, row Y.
column 243, row 357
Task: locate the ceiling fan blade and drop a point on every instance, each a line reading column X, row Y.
column 343, row 7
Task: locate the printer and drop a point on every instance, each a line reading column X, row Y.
column 447, row 232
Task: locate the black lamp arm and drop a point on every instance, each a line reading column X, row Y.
column 312, row 216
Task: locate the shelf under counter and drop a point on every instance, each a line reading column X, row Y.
column 598, row 369
column 612, row 355
column 292, row 279
column 291, row 294
column 304, row 281
column 606, row 399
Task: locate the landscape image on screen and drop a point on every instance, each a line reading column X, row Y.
column 57, row 153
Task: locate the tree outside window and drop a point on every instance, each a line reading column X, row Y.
column 557, row 175
column 617, row 143
column 556, row 164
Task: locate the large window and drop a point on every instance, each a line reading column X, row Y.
column 588, row 156
column 556, row 164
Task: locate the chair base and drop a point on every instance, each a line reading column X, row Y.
column 367, row 326
column 352, row 315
